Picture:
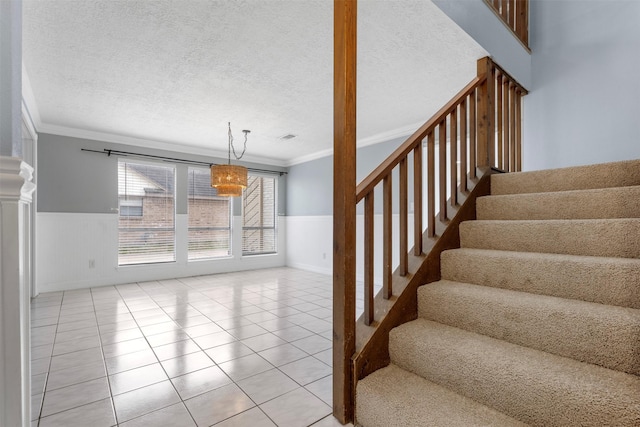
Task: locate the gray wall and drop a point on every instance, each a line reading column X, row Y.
column 479, row 21
column 310, row 185
column 584, row 104
column 310, row 188
column 72, row 180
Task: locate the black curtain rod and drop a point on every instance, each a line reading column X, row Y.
column 170, row 159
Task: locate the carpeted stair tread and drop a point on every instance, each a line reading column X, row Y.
column 621, row 202
column 394, row 397
column 532, row 386
column 614, row 281
column 604, row 175
column 536, row 317
column 594, row 333
column 591, row 237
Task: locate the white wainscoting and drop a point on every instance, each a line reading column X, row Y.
column 310, row 243
column 67, row 243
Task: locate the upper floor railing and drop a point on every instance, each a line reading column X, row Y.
column 515, row 14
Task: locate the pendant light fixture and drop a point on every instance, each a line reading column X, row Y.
column 229, row 180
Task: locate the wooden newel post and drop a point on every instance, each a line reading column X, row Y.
column 344, row 207
column 485, row 113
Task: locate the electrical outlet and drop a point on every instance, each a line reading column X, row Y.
column 92, row 263
column 324, row 255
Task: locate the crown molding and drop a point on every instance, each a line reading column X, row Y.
column 168, row 146
column 309, row 157
column 147, row 143
column 400, row 132
column 28, row 127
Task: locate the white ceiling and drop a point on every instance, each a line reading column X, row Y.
column 172, row 73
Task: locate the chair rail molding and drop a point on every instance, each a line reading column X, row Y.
column 16, row 189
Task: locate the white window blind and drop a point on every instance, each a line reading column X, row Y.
column 209, row 218
column 131, row 206
column 259, row 216
column 146, row 228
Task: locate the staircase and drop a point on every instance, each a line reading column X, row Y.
column 536, row 320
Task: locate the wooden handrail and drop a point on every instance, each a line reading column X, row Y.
column 401, row 152
column 475, row 131
column 491, row 150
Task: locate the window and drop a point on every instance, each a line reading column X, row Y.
column 209, row 218
column 146, row 226
column 259, row 216
column 131, row 207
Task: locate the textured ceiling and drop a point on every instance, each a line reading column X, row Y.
column 177, row 71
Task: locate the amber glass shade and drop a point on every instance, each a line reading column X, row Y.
column 229, row 180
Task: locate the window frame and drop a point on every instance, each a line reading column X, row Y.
column 173, row 229
column 275, row 218
column 229, row 253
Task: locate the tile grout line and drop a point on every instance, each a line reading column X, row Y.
column 260, row 303
column 158, row 361
column 44, row 390
column 104, row 361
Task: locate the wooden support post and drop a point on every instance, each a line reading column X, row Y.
column 473, row 140
column 442, row 168
column 511, row 20
column 387, row 237
column 404, row 238
column 522, row 20
column 499, row 122
column 453, row 156
column 512, row 128
column 485, row 114
column 417, row 199
column 518, row 101
column 506, row 125
column 431, row 185
column 463, row 146
column 344, row 206
column 368, row 259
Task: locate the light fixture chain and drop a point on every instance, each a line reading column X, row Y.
column 230, row 142
column 232, row 148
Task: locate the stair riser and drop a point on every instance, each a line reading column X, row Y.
column 537, row 316
column 606, row 175
column 605, row 238
column 394, row 397
column 614, row 281
column 535, row 387
column 594, row 333
column 623, row 202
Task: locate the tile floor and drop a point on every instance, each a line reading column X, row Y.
column 237, row 349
